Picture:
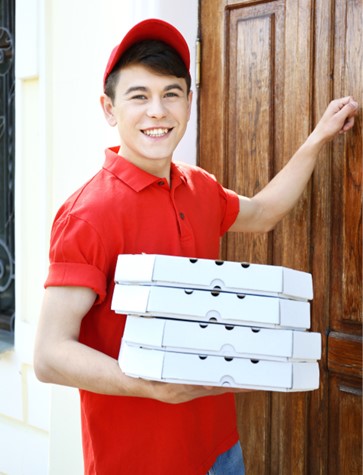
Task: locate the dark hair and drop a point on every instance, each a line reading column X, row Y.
column 155, row 55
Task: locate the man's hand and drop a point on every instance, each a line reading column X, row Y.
column 337, row 119
column 178, row 393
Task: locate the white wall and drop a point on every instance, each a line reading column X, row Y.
column 62, row 48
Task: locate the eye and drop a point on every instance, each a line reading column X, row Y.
column 138, row 97
column 171, row 94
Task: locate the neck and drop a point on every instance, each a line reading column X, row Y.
column 156, row 167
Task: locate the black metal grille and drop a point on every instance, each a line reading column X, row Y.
column 7, row 163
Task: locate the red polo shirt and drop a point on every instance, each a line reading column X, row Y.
column 124, row 210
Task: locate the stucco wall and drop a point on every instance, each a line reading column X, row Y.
column 61, row 50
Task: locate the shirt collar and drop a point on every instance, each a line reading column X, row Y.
column 135, row 177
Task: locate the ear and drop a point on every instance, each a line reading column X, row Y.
column 107, row 107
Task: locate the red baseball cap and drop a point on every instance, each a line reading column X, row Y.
column 151, row 29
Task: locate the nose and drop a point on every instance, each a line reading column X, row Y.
column 156, row 108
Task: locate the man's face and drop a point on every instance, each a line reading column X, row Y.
column 151, row 112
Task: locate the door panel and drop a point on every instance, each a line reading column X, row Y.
column 253, row 108
column 345, row 442
column 276, row 65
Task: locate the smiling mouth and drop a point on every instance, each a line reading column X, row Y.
column 156, row 133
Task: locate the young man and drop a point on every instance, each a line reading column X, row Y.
column 141, row 201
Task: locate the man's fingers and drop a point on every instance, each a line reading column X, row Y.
column 348, row 124
column 348, row 111
column 344, row 110
column 353, row 105
column 345, row 106
column 338, row 118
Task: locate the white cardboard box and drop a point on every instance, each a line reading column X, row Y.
column 203, row 305
column 205, row 273
column 187, row 368
column 231, row 341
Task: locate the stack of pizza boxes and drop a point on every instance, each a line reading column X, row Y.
column 216, row 323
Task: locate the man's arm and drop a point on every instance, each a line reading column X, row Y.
column 60, row 358
column 263, row 211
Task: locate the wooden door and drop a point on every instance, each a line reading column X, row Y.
column 269, row 69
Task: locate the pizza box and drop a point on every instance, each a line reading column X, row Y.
column 226, row 340
column 159, row 365
column 206, row 273
column 203, row 305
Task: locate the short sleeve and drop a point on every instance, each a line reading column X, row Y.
column 230, row 205
column 77, row 256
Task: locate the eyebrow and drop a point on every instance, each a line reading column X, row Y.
column 174, row 86
column 134, row 89
column 145, row 89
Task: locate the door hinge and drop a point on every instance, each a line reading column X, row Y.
column 198, row 45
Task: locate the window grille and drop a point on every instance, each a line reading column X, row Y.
column 7, row 164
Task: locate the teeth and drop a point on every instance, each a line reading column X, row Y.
column 156, row 132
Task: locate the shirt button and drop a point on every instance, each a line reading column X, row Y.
column 181, row 215
column 161, row 183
